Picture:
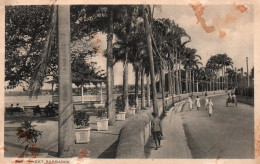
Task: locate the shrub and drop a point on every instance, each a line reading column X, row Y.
column 81, row 118
column 28, row 133
column 249, row 92
column 101, row 114
column 119, row 104
column 131, row 100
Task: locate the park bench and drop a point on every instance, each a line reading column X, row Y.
column 11, row 110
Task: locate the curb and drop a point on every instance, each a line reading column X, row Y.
column 177, row 114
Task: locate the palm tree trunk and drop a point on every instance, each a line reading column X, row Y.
column 222, row 78
column 186, row 81
column 190, row 85
column 163, row 85
column 226, row 77
column 180, row 78
column 197, row 85
column 193, row 88
column 151, row 63
column 142, row 89
column 169, row 78
column 112, row 86
column 219, row 83
column 173, row 80
column 214, row 80
column 177, row 77
column 148, row 94
column 125, row 86
column 110, row 98
column 66, row 119
column 136, row 86
column 160, row 84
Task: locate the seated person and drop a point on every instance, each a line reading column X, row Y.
column 229, row 96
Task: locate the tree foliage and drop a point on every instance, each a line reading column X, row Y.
column 27, row 43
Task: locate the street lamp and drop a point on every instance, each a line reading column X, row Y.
column 247, row 72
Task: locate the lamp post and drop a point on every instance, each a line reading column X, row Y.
column 247, row 72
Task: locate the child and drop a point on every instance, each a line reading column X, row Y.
column 210, row 105
column 190, row 103
column 156, row 130
column 206, row 102
column 198, row 102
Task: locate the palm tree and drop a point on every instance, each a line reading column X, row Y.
column 110, row 96
column 179, row 50
column 66, row 120
column 228, row 63
column 90, row 20
column 189, row 60
column 126, row 30
column 160, row 30
column 213, row 65
column 146, row 11
column 195, row 64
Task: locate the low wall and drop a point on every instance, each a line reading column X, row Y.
column 134, row 135
column 246, row 100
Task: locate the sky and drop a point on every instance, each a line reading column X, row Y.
column 214, row 29
column 233, row 34
column 238, row 27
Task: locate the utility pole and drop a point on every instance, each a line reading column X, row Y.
column 247, row 72
column 236, row 76
column 242, row 76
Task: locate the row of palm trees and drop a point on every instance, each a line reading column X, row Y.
column 152, row 46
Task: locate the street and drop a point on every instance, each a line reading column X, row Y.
column 229, row 133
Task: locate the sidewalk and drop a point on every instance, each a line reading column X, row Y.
column 175, row 145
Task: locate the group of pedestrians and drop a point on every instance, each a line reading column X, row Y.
column 208, row 104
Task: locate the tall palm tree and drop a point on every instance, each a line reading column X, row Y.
column 146, row 11
column 228, row 63
column 66, row 120
column 195, row 66
column 213, row 65
column 91, row 19
column 124, row 31
column 189, row 60
column 160, row 31
column 179, row 50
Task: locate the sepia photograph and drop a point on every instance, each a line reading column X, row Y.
column 128, row 81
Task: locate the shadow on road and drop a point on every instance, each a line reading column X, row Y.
column 109, row 152
column 194, row 148
column 148, row 147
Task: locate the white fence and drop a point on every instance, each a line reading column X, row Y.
column 85, row 98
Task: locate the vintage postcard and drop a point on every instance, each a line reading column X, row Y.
column 133, row 81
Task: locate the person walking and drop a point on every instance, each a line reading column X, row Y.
column 206, row 102
column 156, row 130
column 190, row 103
column 198, row 103
column 210, row 105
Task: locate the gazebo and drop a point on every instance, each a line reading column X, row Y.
column 82, row 83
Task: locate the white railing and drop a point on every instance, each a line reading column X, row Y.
column 86, row 98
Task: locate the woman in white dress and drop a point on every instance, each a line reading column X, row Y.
column 206, row 102
column 190, row 103
column 210, row 107
column 198, row 102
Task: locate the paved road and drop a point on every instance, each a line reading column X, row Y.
column 229, row 133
